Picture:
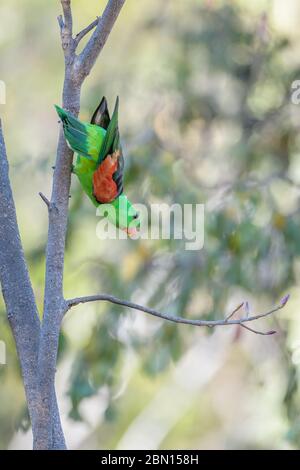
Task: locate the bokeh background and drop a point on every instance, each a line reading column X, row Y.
column 206, row 116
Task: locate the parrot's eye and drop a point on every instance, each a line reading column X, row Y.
column 136, row 216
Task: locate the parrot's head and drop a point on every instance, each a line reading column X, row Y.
column 123, row 215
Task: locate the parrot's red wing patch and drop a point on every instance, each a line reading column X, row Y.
column 104, row 187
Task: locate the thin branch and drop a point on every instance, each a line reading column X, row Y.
column 165, row 316
column 234, row 311
column 61, row 23
column 46, row 201
column 266, row 333
column 88, row 56
column 86, row 30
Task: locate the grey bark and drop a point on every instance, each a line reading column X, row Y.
column 37, row 344
column 227, row 321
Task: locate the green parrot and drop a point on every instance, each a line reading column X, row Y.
column 100, row 163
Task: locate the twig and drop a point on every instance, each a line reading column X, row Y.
column 46, row 201
column 234, row 311
column 61, row 23
column 165, row 316
column 247, row 308
column 267, row 333
column 86, row 30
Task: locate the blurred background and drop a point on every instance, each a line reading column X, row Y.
column 206, row 117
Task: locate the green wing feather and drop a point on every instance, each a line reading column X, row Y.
column 83, row 138
column 111, row 140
